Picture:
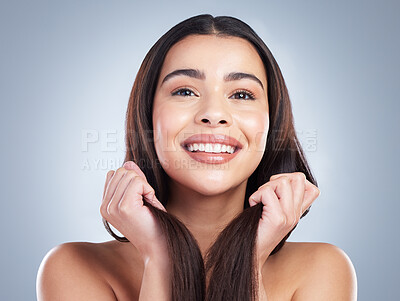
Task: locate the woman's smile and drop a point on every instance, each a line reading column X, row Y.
column 212, row 149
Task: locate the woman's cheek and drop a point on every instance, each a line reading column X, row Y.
column 261, row 137
column 164, row 129
column 256, row 127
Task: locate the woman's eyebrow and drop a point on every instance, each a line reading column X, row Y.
column 195, row 73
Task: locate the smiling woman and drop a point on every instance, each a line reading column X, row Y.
column 206, row 205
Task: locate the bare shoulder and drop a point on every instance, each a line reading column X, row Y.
column 69, row 272
column 327, row 272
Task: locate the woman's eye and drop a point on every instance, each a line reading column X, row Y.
column 246, row 95
column 241, row 94
column 183, row 92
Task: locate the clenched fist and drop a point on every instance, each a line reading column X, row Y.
column 123, row 208
column 285, row 198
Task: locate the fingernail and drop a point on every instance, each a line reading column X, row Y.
column 128, row 164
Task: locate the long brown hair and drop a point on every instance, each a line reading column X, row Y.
column 229, row 262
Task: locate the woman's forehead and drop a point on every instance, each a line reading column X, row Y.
column 214, row 56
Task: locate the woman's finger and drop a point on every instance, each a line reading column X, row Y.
column 137, row 189
column 133, row 166
column 108, row 178
column 284, row 192
column 123, row 183
column 119, row 173
column 268, row 197
column 298, row 182
column 151, row 198
column 310, row 194
column 299, row 185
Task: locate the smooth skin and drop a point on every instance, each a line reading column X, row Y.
column 129, row 271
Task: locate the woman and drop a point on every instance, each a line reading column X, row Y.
column 213, row 184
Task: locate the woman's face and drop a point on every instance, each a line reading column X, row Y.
column 205, row 102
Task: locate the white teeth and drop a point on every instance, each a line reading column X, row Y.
column 211, row 148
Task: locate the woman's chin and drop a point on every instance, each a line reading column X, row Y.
column 210, row 187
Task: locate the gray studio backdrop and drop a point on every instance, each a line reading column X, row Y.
column 67, row 68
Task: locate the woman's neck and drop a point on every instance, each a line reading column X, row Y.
column 205, row 215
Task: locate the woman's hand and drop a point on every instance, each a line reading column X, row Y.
column 285, row 197
column 123, row 208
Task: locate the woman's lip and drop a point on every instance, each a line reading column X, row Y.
column 212, row 138
column 212, row 158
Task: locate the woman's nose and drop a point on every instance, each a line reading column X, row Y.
column 214, row 111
